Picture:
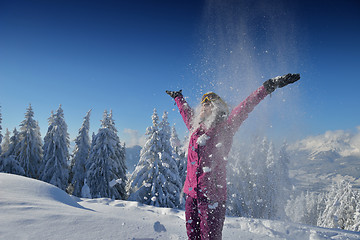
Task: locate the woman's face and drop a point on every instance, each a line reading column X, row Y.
column 206, row 110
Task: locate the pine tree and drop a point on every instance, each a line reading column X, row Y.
column 80, row 156
column 85, row 190
column 8, row 161
column 0, row 131
column 173, row 185
column 260, row 197
column 49, row 135
column 340, row 207
column 282, row 179
column 56, row 151
column 30, row 146
column 106, row 176
column 270, row 184
column 13, row 144
column 356, row 217
column 179, row 156
column 155, row 180
column 6, row 141
column 256, row 176
column 238, row 181
column 305, row 208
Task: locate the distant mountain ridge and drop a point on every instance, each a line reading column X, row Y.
column 343, row 143
column 316, row 161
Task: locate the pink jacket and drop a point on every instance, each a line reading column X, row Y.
column 208, row 149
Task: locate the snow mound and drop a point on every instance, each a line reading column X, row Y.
column 39, row 191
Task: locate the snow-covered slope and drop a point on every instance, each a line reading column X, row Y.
column 31, row 209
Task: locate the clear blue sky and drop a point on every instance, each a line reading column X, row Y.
column 123, row 55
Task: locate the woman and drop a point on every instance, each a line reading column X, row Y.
column 212, row 131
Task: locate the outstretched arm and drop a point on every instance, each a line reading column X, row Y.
column 184, row 108
column 240, row 112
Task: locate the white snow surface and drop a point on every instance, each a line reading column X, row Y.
column 32, row 209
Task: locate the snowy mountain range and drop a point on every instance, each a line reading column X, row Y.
column 316, row 161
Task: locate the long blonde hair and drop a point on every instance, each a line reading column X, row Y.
column 219, row 111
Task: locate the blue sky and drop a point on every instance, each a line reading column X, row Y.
column 123, row 55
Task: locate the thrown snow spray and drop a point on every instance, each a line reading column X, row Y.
column 244, row 43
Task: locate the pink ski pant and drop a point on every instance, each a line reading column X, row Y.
column 204, row 219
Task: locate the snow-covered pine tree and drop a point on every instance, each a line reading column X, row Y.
column 56, row 151
column 255, row 176
column 6, row 141
column 47, row 141
column 48, row 136
column 270, row 185
column 356, row 217
column 305, row 208
column 239, row 182
column 85, row 190
column 8, row 161
column 340, row 207
column 277, row 183
column 173, row 184
column 0, row 131
column 13, row 144
column 259, row 191
column 80, row 156
column 30, row 146
column 282, row 180
column 181, row 161
column 106, row 171
column 179, row 154
column 155, row 180
column 121, row 163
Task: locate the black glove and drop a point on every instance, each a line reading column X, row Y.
column 174, row 94
column 280, row 81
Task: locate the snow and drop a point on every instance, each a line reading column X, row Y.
column 206, row 169
column 202, row 140
column 213, row 206
column 32, row 209
column 113, row 182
